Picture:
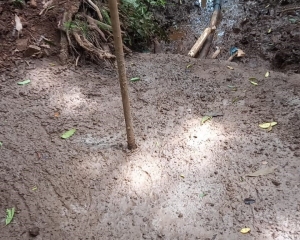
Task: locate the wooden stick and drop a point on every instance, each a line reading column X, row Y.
column 205, row 49
column 201, row 40
column 216, row 53
column 232, row 57
column 115, row 22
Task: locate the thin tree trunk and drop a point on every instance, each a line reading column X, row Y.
column 114, row 15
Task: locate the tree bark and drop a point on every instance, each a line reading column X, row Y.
column 114, row 15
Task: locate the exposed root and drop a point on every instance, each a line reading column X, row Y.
column 88, row 46
column 96, row 9
column 79, row 30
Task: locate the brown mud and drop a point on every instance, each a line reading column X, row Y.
column 186, row 180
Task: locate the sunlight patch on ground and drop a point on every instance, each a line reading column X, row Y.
column 205, row 135
column 143, row 174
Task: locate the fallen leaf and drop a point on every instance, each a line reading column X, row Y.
column 18, row 23
column 249, row 201
column 231, row 68
column 254, row 83
column 1, row 144
column 202, row 195
column 270, row 30
column 240, row 53
column 9, row 215
column 190, row 65
column 233, row 88
column 267, row 74
column 214, row 114
column 134, row 79
column 245, row 230
column 267, row 125
column 205, row 118
column 34, row 188
column 181, row 175
column 293, row 20
column 56, row 114
column 235, row 99
column 68, row 134
column 264, row 162
column 268, row 6
column 262, row 172
column 269, row 129
column 24, row 82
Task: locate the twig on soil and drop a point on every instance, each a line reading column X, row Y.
column 76, row 62
column 216, row 53
column 232, row 57
column 45, row 7
column 289, row 9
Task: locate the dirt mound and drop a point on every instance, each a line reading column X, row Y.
column 36, row 28
column 271, row 32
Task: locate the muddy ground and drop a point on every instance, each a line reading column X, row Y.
column 186, row 180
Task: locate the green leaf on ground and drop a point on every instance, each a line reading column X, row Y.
column 262, row 172
column 24, row 82
column 245, row 230
column 202, row 195
column 293, row 20
column 68, row 134
column 254, row 83
column 267, row 74
column 205, row 118
column 134, row 79
column 9, row 215
column 267, row 125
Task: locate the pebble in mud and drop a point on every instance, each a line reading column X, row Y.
column 34, row 231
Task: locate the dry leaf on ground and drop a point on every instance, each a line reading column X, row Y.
column 262, row 172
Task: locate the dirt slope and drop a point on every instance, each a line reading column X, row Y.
column 185, row 181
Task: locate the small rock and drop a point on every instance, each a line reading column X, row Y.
column 276, row 183
column 33, row 4
column 21, row 44
column 236, row 29
column 34, row 231
column 31, row 50
column 145, row 236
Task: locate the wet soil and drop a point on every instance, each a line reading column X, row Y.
column 268, row 31
column 186, row 180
